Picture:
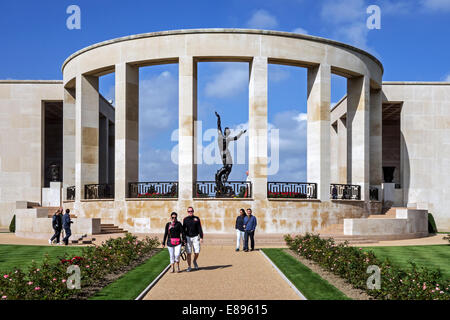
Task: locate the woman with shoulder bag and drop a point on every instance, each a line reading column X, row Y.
column 174, row 234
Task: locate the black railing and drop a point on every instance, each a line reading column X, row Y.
column 70, row 193
column 345, row 191
column 99, row 191
column 153, row 189
column 373, row 193
column 232, row 189
column 299, row 190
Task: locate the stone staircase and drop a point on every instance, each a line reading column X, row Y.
column 107, row 228
column 229, row 239
column 336, row 231
column 84, row 239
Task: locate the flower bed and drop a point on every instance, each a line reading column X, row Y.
column 48, row 281
column 352, row 263
column 297, row 195
column 156, row 195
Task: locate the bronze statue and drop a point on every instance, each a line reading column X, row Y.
column 222, row 174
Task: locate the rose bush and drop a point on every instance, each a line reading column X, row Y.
column 48, row 281
column 350, row 263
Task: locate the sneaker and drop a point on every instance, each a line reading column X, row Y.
column 246, row 250
column 237, row 250
column 195, row 265
column 188, row 269
column 252, row 249
column 50, row 242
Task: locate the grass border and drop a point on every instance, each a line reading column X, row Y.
column 309, row 283
column 134, row 282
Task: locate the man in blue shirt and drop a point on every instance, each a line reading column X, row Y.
column 250, row 226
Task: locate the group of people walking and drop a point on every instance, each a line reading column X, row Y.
column 61, row 222
column 190, row 234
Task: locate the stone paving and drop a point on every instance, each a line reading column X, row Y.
column 224, row 274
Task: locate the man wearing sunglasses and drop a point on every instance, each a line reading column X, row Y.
column 194, row 236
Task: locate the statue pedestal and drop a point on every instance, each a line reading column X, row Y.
column 51, row 197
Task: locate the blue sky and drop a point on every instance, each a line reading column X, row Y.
column 413, row 45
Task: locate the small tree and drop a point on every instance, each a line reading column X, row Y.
column 12, row 225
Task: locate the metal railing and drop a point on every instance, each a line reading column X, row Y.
column 299, row 190
column 345, row 191
column 99, row 191
column 157, row 189
column 70, row 195
column 232, row 189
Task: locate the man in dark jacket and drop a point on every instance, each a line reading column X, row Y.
column 250, row 226
column 57, row 226
column 194, row 236
column 66, row 221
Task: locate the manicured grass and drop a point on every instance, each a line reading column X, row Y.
column 309, row 283
column 432, row 256
column 131, row 284
column 20, row 256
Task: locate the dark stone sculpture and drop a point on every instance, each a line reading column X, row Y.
column 53, row 170
column 222, row 174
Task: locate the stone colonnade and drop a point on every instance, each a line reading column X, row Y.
column 124, row 56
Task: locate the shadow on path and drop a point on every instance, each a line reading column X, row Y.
column 215, row 267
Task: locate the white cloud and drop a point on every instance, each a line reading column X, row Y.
column 447, row 78
column 390, row 7
column 156, row 165
column 343, row 11
column 292, row 145
column 262, row 19
column 278, row 73
column 300, row 30
column 436, row 5
column 347, row 18
column 158, row 99
column 231, row 80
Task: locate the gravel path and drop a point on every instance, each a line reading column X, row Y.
column 224, row 275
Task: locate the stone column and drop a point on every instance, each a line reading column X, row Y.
column 334, row 152
column 103, row 149
column 68, row 170
column 358, row 126
column 258, row 127
column 318, row 142
column 111, row 142
column 342, row 151
column 187, row 133
column 126, row 129
column 86, row 133
column 376, row 127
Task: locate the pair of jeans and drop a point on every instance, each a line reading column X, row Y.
column 250, row 234
column 68, row 234
column 239, row 236
column 56, row 235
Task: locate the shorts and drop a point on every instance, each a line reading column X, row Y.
column 193, row 242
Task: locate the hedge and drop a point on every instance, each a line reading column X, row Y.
column 352, row 264
column 48, row 281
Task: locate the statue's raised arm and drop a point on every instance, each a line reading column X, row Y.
column 219, row 127
column 239, row 134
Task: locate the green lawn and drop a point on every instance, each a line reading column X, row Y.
column 432, row 256
column 309, row 283
column 131, row 284
column 19, row 256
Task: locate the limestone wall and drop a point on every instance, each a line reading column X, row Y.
column 274, row 216
column 425, row 145
column 21, row 153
